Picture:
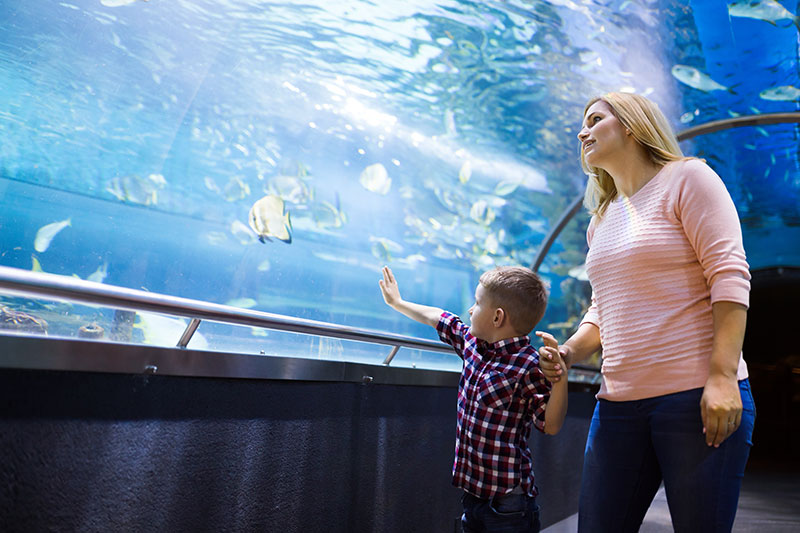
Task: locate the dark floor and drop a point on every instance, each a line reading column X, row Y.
column 769, row 503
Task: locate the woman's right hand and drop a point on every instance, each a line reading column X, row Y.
column 551, row 368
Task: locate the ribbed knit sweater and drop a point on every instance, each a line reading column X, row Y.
column 657, row 261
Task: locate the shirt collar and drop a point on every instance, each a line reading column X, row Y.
column 508, row 346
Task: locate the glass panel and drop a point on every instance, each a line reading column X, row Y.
column 274, row 155
column 760, row 168
column 59, row 318
column 422, row 359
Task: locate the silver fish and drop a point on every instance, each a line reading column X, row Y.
column 383, row 248
column 329, row 216
column 374, row 178
column 696, row 79
column 268, row 218
column 766, row 10
column 136, row 189
column 245, row 303
column 46, row 233
column 236, row 189
column 579, row 272
column 788, row 93
column 100, row 274
column 466, row 172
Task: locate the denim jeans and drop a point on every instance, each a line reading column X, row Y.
column 633, row 446
column 509, row 513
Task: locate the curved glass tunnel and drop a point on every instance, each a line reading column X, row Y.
column 437, row 137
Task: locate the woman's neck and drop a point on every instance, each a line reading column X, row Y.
column 632, row 173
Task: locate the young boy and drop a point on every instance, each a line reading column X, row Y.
column 501, row 392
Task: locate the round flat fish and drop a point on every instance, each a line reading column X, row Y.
column 269, row 219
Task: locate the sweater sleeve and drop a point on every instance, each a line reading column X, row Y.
column 591, row 316
column 711, row 223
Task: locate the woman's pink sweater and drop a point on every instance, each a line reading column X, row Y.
column 656, row 262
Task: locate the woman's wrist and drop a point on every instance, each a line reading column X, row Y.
column 567, row 354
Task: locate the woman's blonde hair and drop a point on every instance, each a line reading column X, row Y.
column 649, row 127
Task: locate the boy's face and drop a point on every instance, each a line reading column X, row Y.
column 481, row 315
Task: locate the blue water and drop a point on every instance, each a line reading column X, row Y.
column 229, row 101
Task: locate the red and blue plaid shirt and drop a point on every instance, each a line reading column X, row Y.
column 501, row 392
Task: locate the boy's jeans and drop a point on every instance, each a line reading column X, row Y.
column 510, row 513
column 633, row 445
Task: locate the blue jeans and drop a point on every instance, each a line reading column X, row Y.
column 633, row 446
column 509, row 513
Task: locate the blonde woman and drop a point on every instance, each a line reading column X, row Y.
column 670, row 290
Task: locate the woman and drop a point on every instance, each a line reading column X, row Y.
column 670, row 290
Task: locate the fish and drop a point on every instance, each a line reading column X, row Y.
column 450, row 123
column 137, row 190
column 787, row 93
column 375, row 179
column 579, row 272
column 211, row 185
column 264, row 266
column 100, row 274
column 329, row 216
column 215, row 238
column 466, row 172
column 46, row 233
column 37, row 267
column 491, row 244
column 236, row 189
column 698, row 80
column 482, row 212
column 383, row 248
column 412, row 260
column 293, row 189
column 268, row 218
column 504, row 188
column 766, row 10
column 245, row 303
column 116, row 3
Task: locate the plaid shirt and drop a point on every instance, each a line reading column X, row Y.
column 501, row 392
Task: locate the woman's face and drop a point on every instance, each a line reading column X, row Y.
column 603, row 137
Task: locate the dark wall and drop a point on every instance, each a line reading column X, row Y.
column 118, row 452
column 773, row 360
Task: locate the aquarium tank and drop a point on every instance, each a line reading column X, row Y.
column 274, row 155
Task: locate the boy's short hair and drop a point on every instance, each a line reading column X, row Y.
column 520, row 292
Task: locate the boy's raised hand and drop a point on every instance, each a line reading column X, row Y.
column 389, row 288
column 391, row 295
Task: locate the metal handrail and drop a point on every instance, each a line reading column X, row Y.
column 40, row 284
column 763, row 119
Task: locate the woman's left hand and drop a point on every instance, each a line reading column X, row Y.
column 720, row 408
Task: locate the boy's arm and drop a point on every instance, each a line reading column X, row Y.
column 391, row 295
column 557, row 403
column 556, row 407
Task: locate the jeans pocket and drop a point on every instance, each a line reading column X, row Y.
column 509, row 505
column 748, row 403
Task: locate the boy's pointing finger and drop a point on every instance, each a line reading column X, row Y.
column 547, row 339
